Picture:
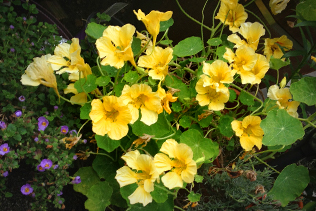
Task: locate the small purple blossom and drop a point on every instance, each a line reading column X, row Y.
column 55, row 107
column 12, row 50
column 36, row 139
column 84, row 141
column 4, row 149
column 64, row 129
column 26, row 189
column 24, row 18
column 33, row 195
column 18, row 113
column 40, row 168
column 60, row 201
column 5, row 174
column 46, row 163
column 46, row 140
column 32, row 43
column 11, row 27
column 75, row 157
column 59, row 194
column 21, row 98
column 42, row 123
column 3, row 125
column 47, row 113
column 55, row 166
column 76, row 180
column 73, row 132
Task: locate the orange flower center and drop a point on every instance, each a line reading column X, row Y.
column 112, row 115
column 27, row 190
column 44, row 123
column 5, row 149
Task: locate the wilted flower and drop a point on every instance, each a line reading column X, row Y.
column 4, row 149
column 42, row 123
column 272, row 47
column 277, row 6
column 64, row 129
column 18, row 113
column 21, row 98
column 5, row 174
column 166, row 98
column 26, row 189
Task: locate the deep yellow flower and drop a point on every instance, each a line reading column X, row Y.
column 140, row 169
column 141, row 96
column 251, row 32
column 232, row 16
column 277, row 6
column 284, row 99
column 178, row 160
column 115, row 46
column 260, row 69
column 157, row 62
column 40, row 72
column 72, row 54
column 271, row 47
column 249, row 131
column 152, row 21
column 166, row 98
column 110, row 117
column 217, row 74
column 207, row 95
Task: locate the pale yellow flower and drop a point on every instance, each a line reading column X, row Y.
column 141, row 96
column 80, row 98
column 157, row 62
column 110, row 117
column 249, row 131
column 271, row 47
column 207, row 95
column 178, row 160
column 284, row 99
column 140, row 169
column 40, row 72
column 260, row 69
column 166, row 98
column 152, row 21
column 231, row 4
column 115, row 46
column 251, row 32
column 145, row 40
column 277, row 6
column 232, row 17
column 217, row 74
column 66, row 57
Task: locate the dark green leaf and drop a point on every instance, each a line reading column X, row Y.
column 188, row 47
column 104, row 142
column 164, row 25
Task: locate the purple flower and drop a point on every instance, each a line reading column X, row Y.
column 55, row 166
column 64, row 129
column 33, row 195
column 32, row 43
column 42, row 123
column 11, row 27
column 55, row 107
column 24, row 18
column 3, row 125
column 18, row 113
column 5, row 174
column 36, row 139
column 12, row 50
column 75, row 157
column 46, row 139
column 76, row 180
column 46, row 163
column 61, row 193
column 84, row 141
column 26, row 189
column 22, row 98
column 40, row 168
column 47, row 113
column 60, row 201
column 4, row 149
column 73, row 132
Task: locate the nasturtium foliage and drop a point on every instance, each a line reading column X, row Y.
column 99, row 196
column 176, row 106
column 204, row 118
column 220, row 51
column 104, row 142
column 225, row 126
column 188, row 47
column 95, row 30
column 194, row 197
column 307, row 9
column 102, row 80
column 277, row 64
column 136, row 45
column 174, row 82
column 85, row 110
column 87, row 85
column 131, row 77
column 214, row 41
column 246, row 98
column 232, row 95
column 280, row 128
column 201, row 147
column 109, row 70
column 290, row 184
column 304, row 90
column 104, row 166
column 127, row 190
column 88, row 178
column 160, row 194
column 198, row 178
column 164, row 25
column 185, row 121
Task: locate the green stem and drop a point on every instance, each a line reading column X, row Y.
column 65, row 99
column 202, row 37
column 168, row 191
column 209, row 132
column 179, row 208
column 260, row 21
column 249, row 3
column 267, row 165
column 82, row 127
column 164, row 137
column 311, row 117
column 184, row 68
column 82, row 86
column 99, row 66
column 198, row 22
column 234, row 106
column 306, row 120
column 94, row 153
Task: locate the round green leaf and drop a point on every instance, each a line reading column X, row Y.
column 290, row 184
column 214, row 41
column 104, row 142
column 304, row 90
column 185, row 121
column 164, row 25
column 307, row 9
column 246, row 99
column 201, row 147
column 85, row 110
column 95, row 30
column 103, row 80
column 87, row 85
column 188, row 47
column 131, row 77
column 277, row 64
column 159, row 194
column 99, row 196
column 88, row 178
column 194, row 197
column 104, row 166
column 225, row 126
column 280, row 128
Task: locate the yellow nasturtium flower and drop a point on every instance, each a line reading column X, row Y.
column 271, row 46
column 110, row 117
column 145, row 40
column 140, row 169
column 249, row 131
column 152, row 21
column 178, row 160
column 277, row 6
column 156, row 61
column 232, row 15
column 207, row 95
column 141, row 96
column 284, row 99
column 40, row 72
column 260, row 69
column 115, row 46
column 166, row 98
column 251, row 32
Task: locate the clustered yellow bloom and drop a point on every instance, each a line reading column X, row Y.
column 272, row 47
column 249, row 131
column 277, row 6
column 165, row 99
